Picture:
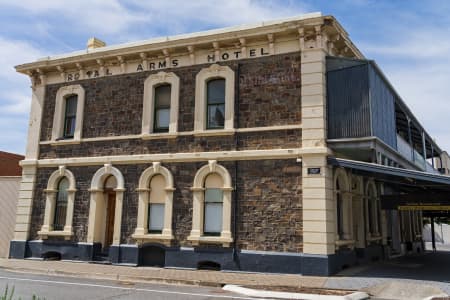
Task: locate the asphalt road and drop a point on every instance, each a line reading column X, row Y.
column 59, row 287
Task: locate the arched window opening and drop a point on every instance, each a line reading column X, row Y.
column 162, row 108
column 215, row 103
column 213, row 208
column 70, row 116
column 59, row 219
column 156, row 206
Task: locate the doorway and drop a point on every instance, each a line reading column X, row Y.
column 109, row 224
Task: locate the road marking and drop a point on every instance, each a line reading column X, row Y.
column 123, row 288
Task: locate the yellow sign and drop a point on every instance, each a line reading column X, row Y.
column 423, row 207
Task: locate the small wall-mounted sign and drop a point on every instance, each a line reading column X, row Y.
column 313, row 171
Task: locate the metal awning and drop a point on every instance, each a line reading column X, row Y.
column 408, row 189
column 394, row 175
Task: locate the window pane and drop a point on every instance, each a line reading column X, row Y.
column 156, row 217
column 162, row 96
column 216, row 91
column 162, row 118
column 216, row 115
column 71, row 105
column 61, row 205
column 213, row 218
column 69, row 126
column 213, row 195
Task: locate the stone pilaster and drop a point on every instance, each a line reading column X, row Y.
column 29, row 169
column 318, row 205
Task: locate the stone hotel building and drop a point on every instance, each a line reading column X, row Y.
column 272, row 147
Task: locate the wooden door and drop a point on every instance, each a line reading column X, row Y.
column 110, row 213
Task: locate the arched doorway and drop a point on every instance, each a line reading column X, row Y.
column 105, row 210
column 110, row 208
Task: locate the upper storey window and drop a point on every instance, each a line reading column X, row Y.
column 215, row 104
column 162, row 108
column 214, row 99
column 68, row 117
column 160, row 112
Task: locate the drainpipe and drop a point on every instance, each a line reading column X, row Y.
column 236, row 194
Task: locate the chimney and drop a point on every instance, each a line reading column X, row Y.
column 95, row 43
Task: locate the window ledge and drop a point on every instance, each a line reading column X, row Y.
column 164, row 135
column 46, row 234
column 225, row 241
column 214, row 132
column 65, row 142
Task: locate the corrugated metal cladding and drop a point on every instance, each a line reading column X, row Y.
column 382, row 103
column 9, row 192
column 348, row 106
column 359, row 102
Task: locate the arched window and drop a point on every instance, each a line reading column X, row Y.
column 339, row 210
column 372, row 210
column 215, row 104
column 160, row 104
column 70, row 116
column 59, row 220
column 156, row 206
column 343, row 200
column 211, row 216
column 214, row 99
column 162, row 108
column 60, row 198
column 154, row 220
column 213, row 209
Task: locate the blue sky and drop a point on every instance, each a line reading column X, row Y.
column 410, row 40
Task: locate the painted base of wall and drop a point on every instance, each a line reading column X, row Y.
column 194, row 258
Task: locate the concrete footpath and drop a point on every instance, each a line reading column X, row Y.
column 149, row 274
column 375, row 278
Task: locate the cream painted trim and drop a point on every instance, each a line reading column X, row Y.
column 96, row 191
column 196, row 235
column 168, row 157
column 60, row 107
column 141, row 231
column 151, row 136
column 150, row 84
column 50, row 203
column 212, row 72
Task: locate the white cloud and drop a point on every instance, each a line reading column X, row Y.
column 15, row 93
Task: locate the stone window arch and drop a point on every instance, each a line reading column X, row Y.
column 217, row 177
column 63, row 95
column 156, row 187
column 202, row 79
column 100, row 179
column 372, row 211
column 150, row 85
column 58, row 179
column 343, row 198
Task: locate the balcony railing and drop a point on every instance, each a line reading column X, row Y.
column 406, row 150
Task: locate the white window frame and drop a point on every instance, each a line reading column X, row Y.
column 50, row 204
column 148, row 112
column 214, row 71
column 142, row 231
column 196, row 236
column 60, row 109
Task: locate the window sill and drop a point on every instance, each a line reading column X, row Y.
column 45, row 234
column 65, row 142
column 214, row 132
column 375, row 238
column 165, row 238
column 163, row 135
column 196, row 240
